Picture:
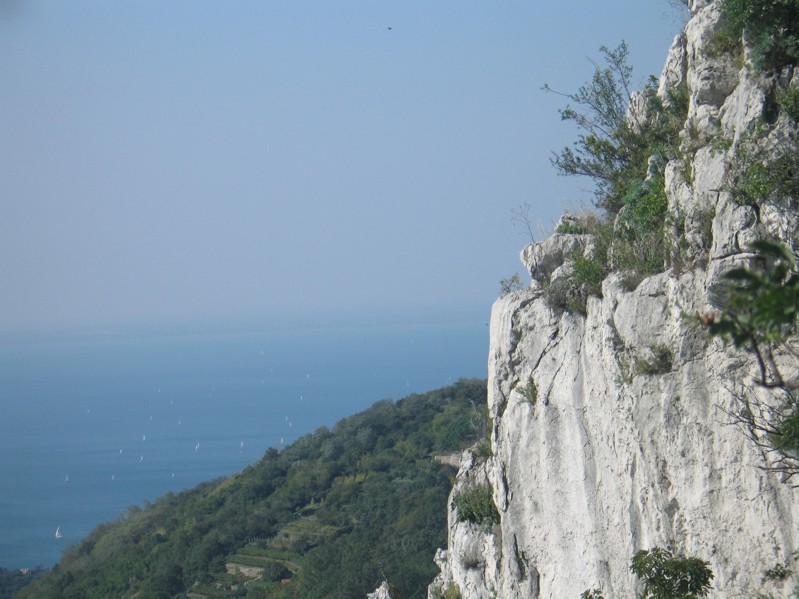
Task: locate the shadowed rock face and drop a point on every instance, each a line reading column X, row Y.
column 610, row 458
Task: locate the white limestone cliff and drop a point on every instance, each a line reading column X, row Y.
column 382, row 592
column 605, row 461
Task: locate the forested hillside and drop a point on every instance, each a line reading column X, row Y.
column 13, row 580
column 332, row 515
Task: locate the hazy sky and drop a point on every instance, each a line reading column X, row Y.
column 200, row 161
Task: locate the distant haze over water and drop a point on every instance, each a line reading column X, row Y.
column 94, row 424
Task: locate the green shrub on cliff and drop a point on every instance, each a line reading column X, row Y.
column 617, row 148
column 476, row 505
column 666, row 576
column 623, row 146
column 771, row 27
column 761, row 316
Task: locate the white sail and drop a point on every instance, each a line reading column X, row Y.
column 58, row 534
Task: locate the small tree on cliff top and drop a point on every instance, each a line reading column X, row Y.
column 615, row 144
column 623, row 145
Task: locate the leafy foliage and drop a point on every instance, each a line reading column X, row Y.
column 588, row 273
column 720, row 143
column 666, row 576
column 760, row 316
column 659, row 361
column 615, row 145
column 528, row 391
column 482, row 425
column 758, row 175
column 778, row 572
column 476, row 505
column 569, row 227
column 13, row 580
column 623, row 146
column 330, row 516
column 607, row 145
column 788, row 102
column 786, row 437
column 772, row 26
column 511, row 284
column 780, row 576
column 451, row 592
column 763, row 304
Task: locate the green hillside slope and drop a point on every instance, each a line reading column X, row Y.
column 332, row 515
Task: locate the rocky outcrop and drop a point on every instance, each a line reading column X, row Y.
column 382, row 592
column 626, row 443
column 548, row 261
column 470, row 563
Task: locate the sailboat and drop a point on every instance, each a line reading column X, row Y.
column 58, row 534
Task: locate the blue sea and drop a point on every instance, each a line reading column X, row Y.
column 94, row 424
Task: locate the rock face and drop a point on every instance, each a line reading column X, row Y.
column 627, row 444
column 382, row 592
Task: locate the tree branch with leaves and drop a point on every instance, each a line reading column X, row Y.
column 760, row 317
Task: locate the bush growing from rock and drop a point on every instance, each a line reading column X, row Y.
column 624, row 144
column 666, row 576
column 476, row 505
column 771, row 26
